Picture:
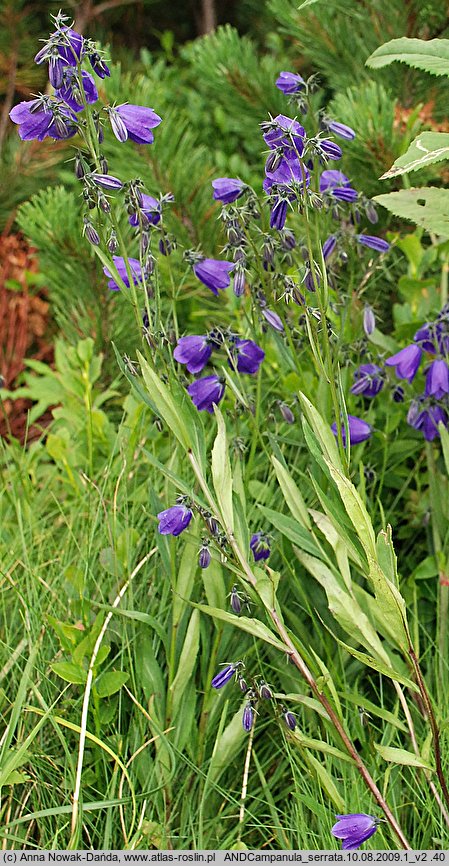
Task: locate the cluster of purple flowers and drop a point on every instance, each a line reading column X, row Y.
column 55, row 115
column 430, row 408
column 195, row 351
column 259, row 690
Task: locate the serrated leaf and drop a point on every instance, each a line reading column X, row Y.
column 427, row 207
column 401, row 756
column 245, row 623
column 109, row 683
column 430, row 55
column 221, row 473
column 426, row 149
column 69, row 672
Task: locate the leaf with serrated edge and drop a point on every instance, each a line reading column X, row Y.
column 430, row 55
column 426, row 149
column 427, row 207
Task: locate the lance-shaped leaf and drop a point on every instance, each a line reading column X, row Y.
column 322, row 431
column 292, row 494
column 401, row 756
column 386, row 670
column 431, row 55
column 245, row 623
column 187, row 661
column 426, row 149
column 221, row 473
column 427, row 207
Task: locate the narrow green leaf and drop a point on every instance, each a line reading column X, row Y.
column 431, row 55
column 386, row 670
column 325, row 781
column 165, row 404
column 355, row 510
column 251, row 626
column 291, row 529
column 321, row 746
column 221, row 473
column 187, row 661
column 445, row 444
column 322, row 431
column 401, row 756
column 292, row 494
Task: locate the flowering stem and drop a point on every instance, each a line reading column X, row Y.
column 249, row 749
column 443, row 600
column 432, row 722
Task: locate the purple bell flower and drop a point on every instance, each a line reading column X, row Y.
column 367, row 380
column 330, row 149
column 227, row 189
column 194, row 352
column 289, row 719
column 287, row 133
column 278, row 214
column 336, row 183
column 214, row 273
column 119, row 263
column 248, row 717
column 437, row 380
column 204, row 557
column 107, row 181
column 64, row 48
column 289, row 171
column 340, row 129
column 151, row 208
column 37, row 119
column 329, row 246
column 260, row 546
column 406, row 362
column 290, row 82
column 134, row 122
column 354, row 829
column 428, row 337
column 427, row 421
column 174, row 520
column 374, row 243
column 249, row 356
column 69, row 92
column 273, row 319
column 359, row 430
column 226, row 674
column 206, row 392
column 369, row 320
column 99, row 66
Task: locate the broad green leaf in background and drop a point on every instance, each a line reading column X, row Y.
column 111, row 682
column 427, row 207
column 430, row 55
column 69, row 672
column 221, row 473
column 427, row 148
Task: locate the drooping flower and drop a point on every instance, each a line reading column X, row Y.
column 119, row 263
column 273, row 319
column 284, row 132
column 174, row 520
column 214, row 273
column 206, row 392
column 70, row 91
column 204, row 556
column 226, row 674
column 278, row 213
column 330, row 149
column 368, row 380
column 265, row 691
column 340, row 129
column 249, row 356
column 248, row 716
column 406, row 362
column 289, row 718
column 260, row 546
column 369, row 320
column 437, row 379
column 427, row 337
column 107, row 181
column 194, row 352
column 359, row 430
column 329, row 246
column 42, row 117
column 290, row 171
column 134, row 122
column 227, row 189
column 64, row 48
column 427, row 421
column 98, row 65
column 290, row 82
column 336, row 183
column 151, row 209
column 373, row 243
column 354, row 829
